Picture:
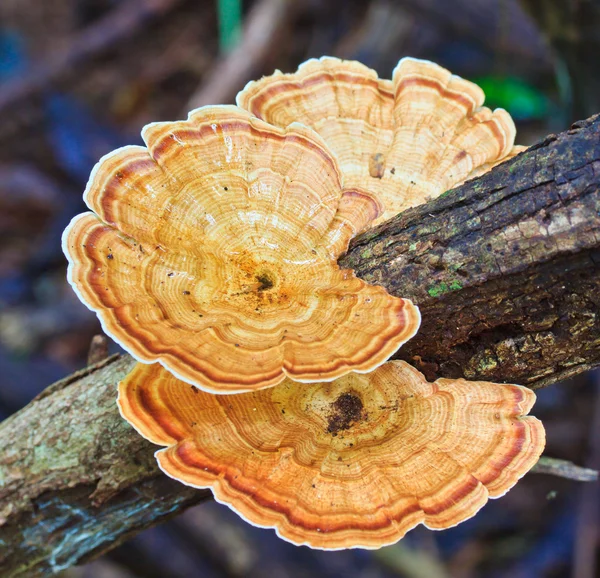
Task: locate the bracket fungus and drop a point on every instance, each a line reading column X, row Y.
column 213, row 252
column 356, row 462
column 407, row 140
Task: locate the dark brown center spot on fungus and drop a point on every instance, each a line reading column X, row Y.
column 266, row 282
column 275, row 268
column 345, row 411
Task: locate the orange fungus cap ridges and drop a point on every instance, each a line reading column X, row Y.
column 407, row 140
column 356, row 462
column 213, row 251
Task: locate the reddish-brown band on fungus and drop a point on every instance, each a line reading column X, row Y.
column 214, row 250
column 356, row 462
column 407, row 141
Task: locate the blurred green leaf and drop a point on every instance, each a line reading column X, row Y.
column 520, row 99
column 230, row 23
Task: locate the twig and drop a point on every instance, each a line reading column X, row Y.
column 98, row 349
column 564, row 469
column 118, row 24
column 229, row 73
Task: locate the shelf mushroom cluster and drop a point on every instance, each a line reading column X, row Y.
column 211, row 254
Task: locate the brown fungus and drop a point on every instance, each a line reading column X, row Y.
column 407, row 140
column 353, row 463
column 223, row 236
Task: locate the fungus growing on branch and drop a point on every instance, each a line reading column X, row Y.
column 406, row 140
column 356, row 462
column 213, row 251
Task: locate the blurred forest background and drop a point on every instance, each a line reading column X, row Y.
column 79, row 78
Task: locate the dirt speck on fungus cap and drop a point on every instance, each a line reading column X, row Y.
column 345, row 411
column 377, row 165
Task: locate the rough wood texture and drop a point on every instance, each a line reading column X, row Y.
column 75, row 478
column 505, row 270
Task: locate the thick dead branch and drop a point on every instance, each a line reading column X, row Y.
column 506, row 270
column 75, row 479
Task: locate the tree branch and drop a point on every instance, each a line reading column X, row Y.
column 505, row 270
column 76, row 479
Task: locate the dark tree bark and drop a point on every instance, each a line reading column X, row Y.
column 505, row 269
column 76, row 479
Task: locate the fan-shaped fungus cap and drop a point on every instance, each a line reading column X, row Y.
column 407, row 140
column 213, row 251
column 352, row 463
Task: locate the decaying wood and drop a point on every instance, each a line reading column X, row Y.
column 505, row 269
column 75, row 479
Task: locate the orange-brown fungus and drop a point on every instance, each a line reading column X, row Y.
column 213, row 251
column 407, row 140
column 356, row 462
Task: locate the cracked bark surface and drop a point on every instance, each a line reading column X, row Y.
column 76, row 479
column 505, row 269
